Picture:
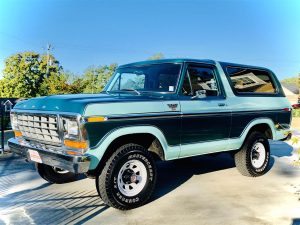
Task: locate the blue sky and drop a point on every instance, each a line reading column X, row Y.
column 85, row 33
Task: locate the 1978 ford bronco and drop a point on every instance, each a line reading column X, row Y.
column 163, row 109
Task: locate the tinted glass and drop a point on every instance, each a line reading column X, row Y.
column 200, row 81
column 246, row 80
column 158, row 78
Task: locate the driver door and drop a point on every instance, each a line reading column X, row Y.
column 206, row 117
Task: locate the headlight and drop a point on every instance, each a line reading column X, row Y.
column 14, row 121
column 71, row 128
column 74, row 136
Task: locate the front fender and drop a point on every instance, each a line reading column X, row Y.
column 97, row 152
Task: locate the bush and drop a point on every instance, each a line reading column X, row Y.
column 296, row 112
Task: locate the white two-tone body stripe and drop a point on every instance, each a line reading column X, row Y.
column 126, row 108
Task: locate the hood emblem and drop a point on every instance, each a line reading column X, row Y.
column 173, row 107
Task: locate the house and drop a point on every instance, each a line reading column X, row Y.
column 292, row 92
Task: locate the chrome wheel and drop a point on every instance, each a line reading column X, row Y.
column 132, row 178
column 258, row 155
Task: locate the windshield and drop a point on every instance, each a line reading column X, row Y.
column 148, row 78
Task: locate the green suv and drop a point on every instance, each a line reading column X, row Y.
column 153, row 110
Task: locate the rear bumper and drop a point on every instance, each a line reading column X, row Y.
column 282, row 133
column 74, row 164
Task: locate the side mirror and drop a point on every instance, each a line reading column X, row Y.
column 200, row 94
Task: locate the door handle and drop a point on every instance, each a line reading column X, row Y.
column 221, row 104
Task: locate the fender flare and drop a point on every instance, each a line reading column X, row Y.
column 257, row 121
column 97, row 152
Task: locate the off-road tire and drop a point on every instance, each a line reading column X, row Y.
column 243, row 156
column 107, row 181
column 49, row 174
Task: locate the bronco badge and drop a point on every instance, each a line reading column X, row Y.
column 173, row 107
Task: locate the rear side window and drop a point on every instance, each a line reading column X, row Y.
column 245, row 80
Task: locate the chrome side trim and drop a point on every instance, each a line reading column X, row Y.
column 163, row 115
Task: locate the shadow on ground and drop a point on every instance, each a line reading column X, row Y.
column 75, row 203
column 281, row 149
column 71, row 203
column 174, row 173
column 74, row 207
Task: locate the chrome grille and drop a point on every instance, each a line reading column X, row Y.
column 43, row 128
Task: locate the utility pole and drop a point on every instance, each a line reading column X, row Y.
column 49, row 48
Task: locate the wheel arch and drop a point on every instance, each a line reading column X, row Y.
column 263, row 128
column 150, row 137
column 263, row 125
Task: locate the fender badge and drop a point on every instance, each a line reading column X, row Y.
column 173, row 107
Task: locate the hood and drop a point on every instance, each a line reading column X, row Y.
column 76, row 103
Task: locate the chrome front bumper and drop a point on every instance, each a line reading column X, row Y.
column 74, row 164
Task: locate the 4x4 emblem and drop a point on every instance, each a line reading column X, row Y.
column 173, row 107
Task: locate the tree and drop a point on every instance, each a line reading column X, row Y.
column 157, row 56
column 25, row 74
column 292, row 80
column 96, row 78
column 77, row 86
column 55, row 84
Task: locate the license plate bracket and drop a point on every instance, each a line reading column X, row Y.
column 34, row 156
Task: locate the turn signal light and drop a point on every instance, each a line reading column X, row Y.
column 17, row 133
column 75, row 144
column 96, row 119
column 72, row 153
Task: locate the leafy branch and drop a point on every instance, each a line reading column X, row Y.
column 296, row 162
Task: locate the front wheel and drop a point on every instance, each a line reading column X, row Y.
column 54, row 174
column 253, row 158
column 128, row 178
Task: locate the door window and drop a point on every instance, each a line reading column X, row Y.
column 200, row 82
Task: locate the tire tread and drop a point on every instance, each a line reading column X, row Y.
column 103, row 180
column 243, row 164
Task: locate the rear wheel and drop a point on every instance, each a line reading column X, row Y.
column 253, row 158
column 128, row 178
column 54, row 174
